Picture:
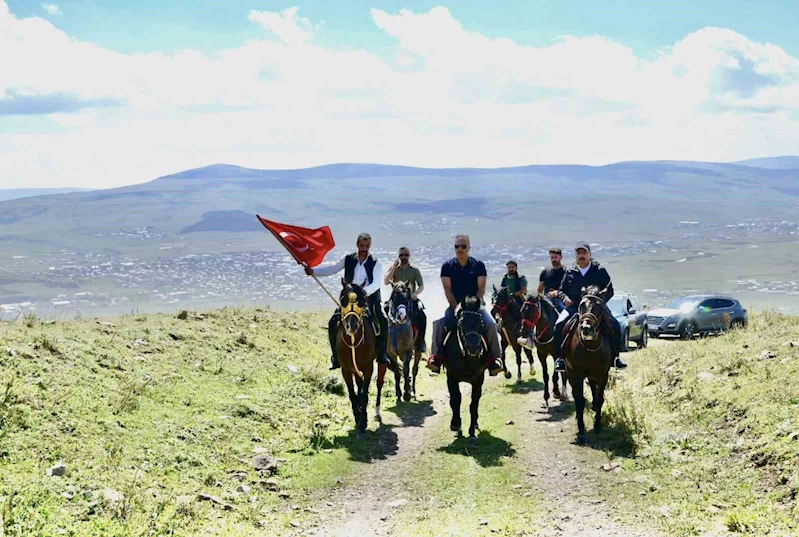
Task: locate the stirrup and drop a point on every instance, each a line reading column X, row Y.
column 562, row 368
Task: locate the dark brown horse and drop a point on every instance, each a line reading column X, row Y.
column 538, row 317
column 588, row 356
column 403, row 340
column 466, row 359
column 356, row 350
column 510, row 328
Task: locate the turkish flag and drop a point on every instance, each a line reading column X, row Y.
column 308, row 246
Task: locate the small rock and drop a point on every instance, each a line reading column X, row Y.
column 705, row 375
column 271, row 484
column 257, row 439
column 265, row 463
column 397, row 503
column 242, row 397
column 59, row 470
column 713, row 510
column 112, row 496
column 258, row 450
column 327, row 450
column 285, row 495
column 509, row 422
column 641, row 479
column 215, row 500
column 294, row 524
column 293, row 369
column 484, row 522
column 106, row 323
column 183, row 315
column 794, row 435
column 767, row 355
column 676, row 474
column 140, row 343
column 791, row 344
column 140, row 358
column 517, row 487
column 243, row 489
column 253, row 326
column 665, row 511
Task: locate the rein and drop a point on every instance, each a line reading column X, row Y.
column 534, row 324
column 352, row 309
column 462, row 336
column 594, row 320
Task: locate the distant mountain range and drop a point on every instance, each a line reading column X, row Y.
column 210, row 207
column 17, row 193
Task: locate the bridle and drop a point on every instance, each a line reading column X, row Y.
column 348, row 311
column 534, row 323
column 591, row 319
column 463, row 335
column 392, row 312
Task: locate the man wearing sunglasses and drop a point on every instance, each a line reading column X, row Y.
column 464, row 276
column 403, row 271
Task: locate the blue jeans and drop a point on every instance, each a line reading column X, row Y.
column 558, row 303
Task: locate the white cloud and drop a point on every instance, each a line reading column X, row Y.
column 52, row 9
column 447, row 96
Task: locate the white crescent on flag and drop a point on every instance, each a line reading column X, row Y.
column 296, row 243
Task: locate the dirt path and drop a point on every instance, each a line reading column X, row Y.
column 568, row 480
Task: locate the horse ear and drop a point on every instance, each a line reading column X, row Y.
column 583, row 290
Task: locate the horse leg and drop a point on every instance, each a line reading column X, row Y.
column 504, row 346
column 455, row 404
column 542, row 359
column 599, row 400
column 564, row 393
column 367, row 379
column 406, row 372
column 592, row 385
column 381, row 375
column 397, row 381
column 353, row 396
column 518, row 349
column 417, row 358
column 477, row 392
column 578, row 384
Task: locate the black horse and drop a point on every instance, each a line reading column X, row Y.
column 466, row 358
column 510, row 328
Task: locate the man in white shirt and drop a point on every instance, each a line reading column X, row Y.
column 364, row 270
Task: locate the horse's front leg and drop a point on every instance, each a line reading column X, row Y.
column 578, row 384
column 474, row 407
column 417, row 358
column 364, row 396
column 542, row 358
column 398, row 381
column 381, row 375
column 599, row 401
column 406, row 372
column 518, row 350
column 564, row 392
column 353, row 396
column 455, row 404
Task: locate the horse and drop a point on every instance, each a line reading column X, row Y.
column 403, row 340
column 538, row 316
column 509, row 327
column 466, row 360
column 588, row 355
column 357, row 350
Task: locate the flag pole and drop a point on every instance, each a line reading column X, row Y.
column 304, row 264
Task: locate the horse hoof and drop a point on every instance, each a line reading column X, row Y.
column 406, row 397
column 459, row 433
column 472, row 439
column 454, row 428
column 581, row 439
column 508, row 374
column 563, row 398
column 361, row 435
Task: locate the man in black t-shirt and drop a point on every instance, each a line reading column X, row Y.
column 464, row 276
column 550, row 279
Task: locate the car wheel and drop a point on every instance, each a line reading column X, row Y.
column 688, row 330
column 644, row 340
column 625, row 341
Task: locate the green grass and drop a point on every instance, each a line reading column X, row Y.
column 161, row 409
column 716, row 428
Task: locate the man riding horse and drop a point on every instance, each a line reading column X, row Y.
column 464, row 276
column 550, row 278
column 403, row 271
column 367, row 272
column 584, row 273
column 515, row 283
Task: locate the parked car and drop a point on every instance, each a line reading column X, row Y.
column 697, row 314
column 632, row 318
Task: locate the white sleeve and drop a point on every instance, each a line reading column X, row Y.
column 377, row 275
column 330, row 269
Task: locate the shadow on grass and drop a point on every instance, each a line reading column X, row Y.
column 614, row 439
column 487, row 450
column 525, row 386
column 414, row 414
column 374, row 445
column 558, row 412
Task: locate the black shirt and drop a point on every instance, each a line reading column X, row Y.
column 464, row 279
column 552, row 278
column 574, row 281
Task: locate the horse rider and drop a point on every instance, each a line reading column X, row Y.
column 586, row 272
column 515, row 282
column 550, row 278
column 366, row 271
column 464, row 276
column 403, row 271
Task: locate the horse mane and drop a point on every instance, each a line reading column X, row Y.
column 592, row 290
column 547, row 305
column 471, row 303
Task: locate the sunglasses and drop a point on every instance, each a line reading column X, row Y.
column 405, row 255
column 461, row 246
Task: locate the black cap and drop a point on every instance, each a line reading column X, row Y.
column 582, row 245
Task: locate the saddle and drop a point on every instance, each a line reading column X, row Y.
column 568, row 330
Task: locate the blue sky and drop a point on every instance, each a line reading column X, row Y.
column 99, row 93
column 209, row 25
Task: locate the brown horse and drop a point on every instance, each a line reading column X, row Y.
column 539, row 316
column 403, row 340
column 466, row 359
column 588, row 356
column 357, row 349
column 509, row 326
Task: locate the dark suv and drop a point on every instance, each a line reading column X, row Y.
column 698, row 314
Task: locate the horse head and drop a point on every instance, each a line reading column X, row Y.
column 400, row 303
column 591, row 309
column 354, row 303
column 501, row 301
column 471, row 327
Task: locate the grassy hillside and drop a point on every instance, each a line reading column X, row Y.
column 715, row 428
column 157, row 410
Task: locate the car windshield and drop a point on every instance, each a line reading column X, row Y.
column 683, row 304
column 616, row 305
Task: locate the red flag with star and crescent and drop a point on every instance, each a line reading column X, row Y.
column 308, row 246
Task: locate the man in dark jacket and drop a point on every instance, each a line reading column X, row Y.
column 364, row 270
column 584, row 273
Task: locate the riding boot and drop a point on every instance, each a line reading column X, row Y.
column 332, row 332
column 382, row 339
